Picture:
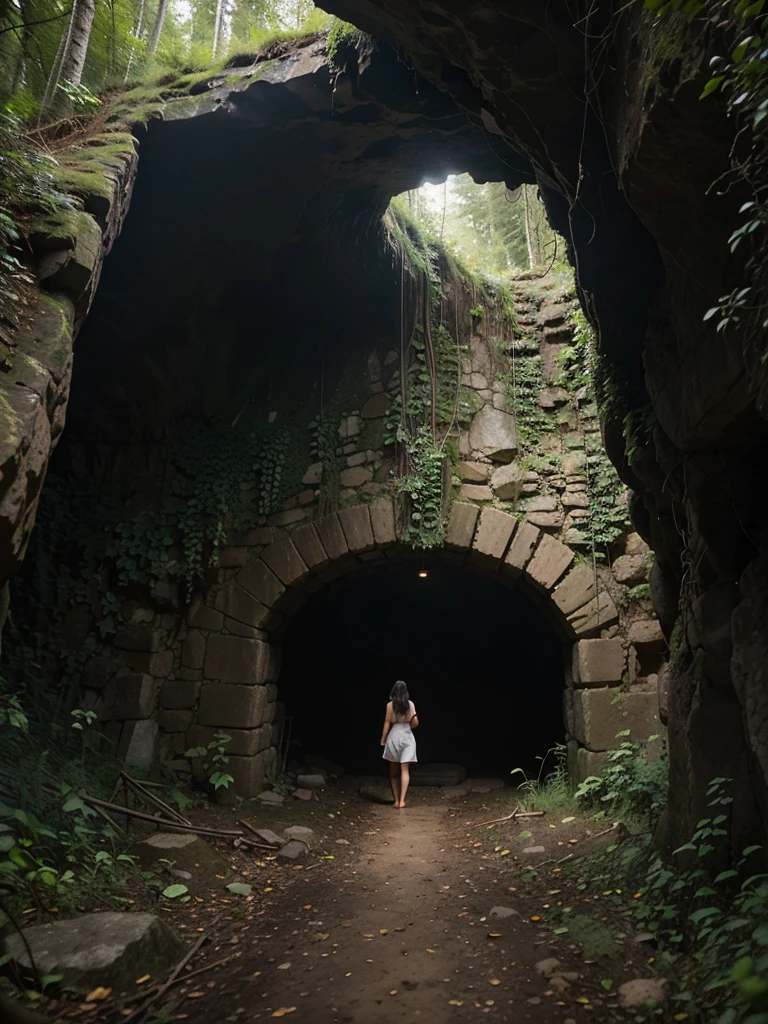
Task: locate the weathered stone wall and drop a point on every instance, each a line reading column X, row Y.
column 173, row 675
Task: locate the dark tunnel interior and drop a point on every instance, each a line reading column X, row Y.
column 483, row 666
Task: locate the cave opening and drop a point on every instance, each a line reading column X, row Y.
column 483, row 666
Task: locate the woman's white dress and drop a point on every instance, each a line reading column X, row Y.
column 400, row 744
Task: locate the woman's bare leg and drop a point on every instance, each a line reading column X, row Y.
column 405, row 778
column 394, row 778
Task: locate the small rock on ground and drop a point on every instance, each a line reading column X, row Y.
column 377, row 794
column 303, row 794
column 294, row 850
column 503, row 912
column 535, row 849
column 455, row 792
column 547, row 967
column 485, row 785
column 311, row 782
column 270, row 798
column 304, row 835
column 638, row 991
column 270, row 837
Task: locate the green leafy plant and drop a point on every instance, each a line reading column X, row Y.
column 423, row 489
column 633, row 781
column 214, row 759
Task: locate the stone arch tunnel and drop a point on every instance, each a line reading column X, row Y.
column 268, row 184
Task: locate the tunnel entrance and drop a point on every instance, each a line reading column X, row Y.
column 483, row 666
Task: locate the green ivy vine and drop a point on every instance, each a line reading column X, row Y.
column 423, row 486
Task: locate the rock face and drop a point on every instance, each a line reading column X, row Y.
column 110, row 949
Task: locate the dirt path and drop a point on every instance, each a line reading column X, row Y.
column 397, row 930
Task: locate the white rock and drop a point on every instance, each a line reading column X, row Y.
column 547, row 967
column 638, row 991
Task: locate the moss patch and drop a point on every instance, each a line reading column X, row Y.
column 594, row 936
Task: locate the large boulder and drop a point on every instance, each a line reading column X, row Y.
column 110, row 950
column 437, row 774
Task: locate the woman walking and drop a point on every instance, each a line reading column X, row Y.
column 398, row 741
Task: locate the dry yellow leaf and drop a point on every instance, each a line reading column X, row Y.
column 143, row 978
column 393, row 991
column 455, row 1002
column 430, row 950
column 495, row 981
column 505, row 853
column 383, row 931
column 282, row 1011
column 494, row 935
column 98, row 994
column 535, row 917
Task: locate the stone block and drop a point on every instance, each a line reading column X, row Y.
column 288, row 517
column 260, row 582
column 236, row 603
column 193, row 650
column 576, row 499
column 233, row 558
column 200, row 616
column 376, row 406
column 546, row 520
column 494, row 531
column 355, row 476
column 474, row 472
column 99, row 671
column 293, row 851
column 249, row 774
column 507, row 482
column 284, row 560
column 382, row 514
column 629, row 570
column 307, row 542
column 331, row 534
column 174, row 721
column 598, row 662
column 577, row 589
column 242, row 743
column 599, row 715
column 138, row 638
column 492, row 433
column 158, row 664
column 107, row 949
column 228, row 705
column 313, row 475
column 588, row 763
column 461, row 525
column 234, row 659
column 475, row 492
column 646, row 632
column 550, row 561
column 543, row 503
column 130, row 695
column 520, row 550
column 356, row 524
column 137, row 742
column 594, row 616
column 179, row 694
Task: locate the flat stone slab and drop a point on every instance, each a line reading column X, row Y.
column 503, row 912
column 437, row 774
column 107, row 949
column 377, row 794
column 486, row 785
column 300, row 832
column 293, row 851
column 303, row 794
column 534, row 849
column 311, row 782
column 638, row 991
column 456, row 792
column 270, row 837
column 186, row 851
column 270, row 798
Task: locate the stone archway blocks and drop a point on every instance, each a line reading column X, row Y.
column 493, row 533
column 284, row 560
column 331, row 534
column 310, row 547
column 461, row 525
column 259, row 580
column 598, row 613
column 577, row 589
column 382, row 513
column 237, row 659
column 550, row 561
column 230, row 705
column 356, row 523
column 599, row 715
column 520, row 550
column 598, row 661
column 236, row 603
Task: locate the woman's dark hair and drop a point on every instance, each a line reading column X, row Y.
column 400, row 698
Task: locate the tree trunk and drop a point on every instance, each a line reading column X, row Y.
column 157, row 28
column 217, row 22
column 136, row 35
column 73, row 56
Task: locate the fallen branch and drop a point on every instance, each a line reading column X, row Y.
column 134, row 784
column 255, row 832
column 162, row 989
column 157, row 820
column 517, row 813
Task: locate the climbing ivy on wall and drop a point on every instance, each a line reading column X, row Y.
column 522, row 383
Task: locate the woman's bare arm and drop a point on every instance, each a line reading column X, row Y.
column 387, row 727
column 415, row 722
